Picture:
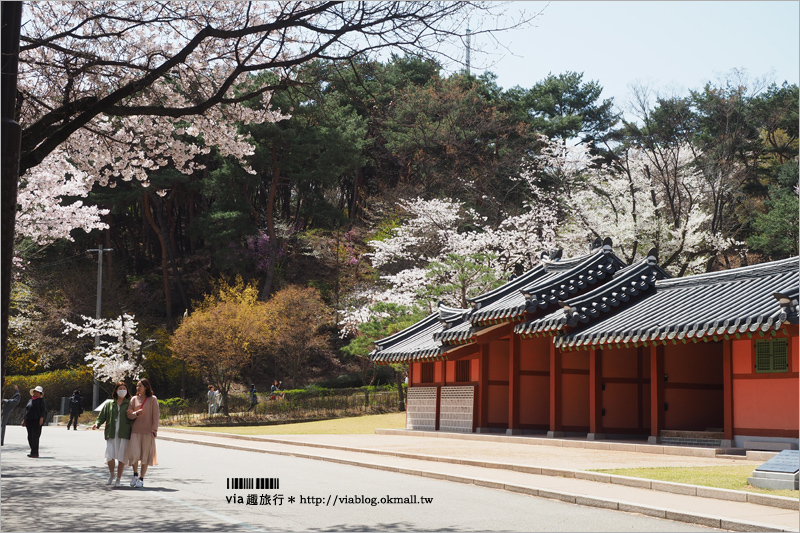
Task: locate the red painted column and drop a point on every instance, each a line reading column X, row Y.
column 595, row 393
column 656, row 392
column 513, row 385
column 555, row 394
column 727, row 389
column 483, row 411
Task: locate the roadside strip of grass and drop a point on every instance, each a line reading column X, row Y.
column 732, row 477
column 357, row 425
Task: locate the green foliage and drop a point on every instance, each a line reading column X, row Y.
column 384, row 375
column 459, row 277
column 777, row 229
column 388, row 319
column 566, row 107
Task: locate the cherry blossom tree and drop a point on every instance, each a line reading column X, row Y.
column 116, row 359
column 125, row 88
column 434, row 244
column 103, row 70
column 648, row 199
column 43, row 217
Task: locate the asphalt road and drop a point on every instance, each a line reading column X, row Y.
column 190, row 490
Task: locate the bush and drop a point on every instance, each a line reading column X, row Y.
column 172, row 406
column 56, row 384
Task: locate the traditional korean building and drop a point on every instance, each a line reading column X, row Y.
column 589, row 347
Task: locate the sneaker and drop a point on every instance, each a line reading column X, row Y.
column 134, row 479
column 117, row 483
column 111, row 479
column 139, row 483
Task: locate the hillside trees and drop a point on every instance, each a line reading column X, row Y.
column 224, row 336
column 296, row 319
column 111, row 84
column 233, row 336
column 739, row 132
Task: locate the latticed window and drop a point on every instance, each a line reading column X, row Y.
column 427, row 373
column 772, row 355
column 462, row 371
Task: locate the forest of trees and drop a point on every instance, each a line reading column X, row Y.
column 374, row 190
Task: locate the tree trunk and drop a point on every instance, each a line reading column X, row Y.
column 11, row 136
column 355, row 206
column 164, row 269
column 172, row 252
column 273, row 240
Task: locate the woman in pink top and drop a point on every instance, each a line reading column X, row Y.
column 143, row 410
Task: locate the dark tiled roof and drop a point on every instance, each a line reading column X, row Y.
column 558, row 281
column 418, row 342
column 627, row 285
column 718, row 303
column 413, row 343
column 460, row 334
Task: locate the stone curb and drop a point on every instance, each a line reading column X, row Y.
column 691, row 518
column 781, row 502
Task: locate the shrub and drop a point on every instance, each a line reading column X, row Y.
column 56, row 384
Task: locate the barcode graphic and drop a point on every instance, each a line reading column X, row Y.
column 258, row 483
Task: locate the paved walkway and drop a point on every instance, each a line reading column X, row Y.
column 550, row 468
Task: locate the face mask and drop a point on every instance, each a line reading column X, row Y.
column 121, row 393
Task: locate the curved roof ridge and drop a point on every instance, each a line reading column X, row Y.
column 619, row 278
column 572, row 262
column 560, row 276
column 403, row 334
column 452, row 314
column 600, row 300
column 750, row 271
column 508, row 287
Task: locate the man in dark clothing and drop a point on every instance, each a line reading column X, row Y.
column 9, row 404
column 35, row 413
column 253, row 397
column 75, row 409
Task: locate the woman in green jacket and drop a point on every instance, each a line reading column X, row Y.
column 118, row 430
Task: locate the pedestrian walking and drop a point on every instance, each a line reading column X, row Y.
column 212, row 400
column 9, row 404
column 253, row 397
column 117, row 432
column 35, row 413
column 75, row 409
column 143, row 410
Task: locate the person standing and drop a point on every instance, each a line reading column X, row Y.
column 75, row 409
column 143, row 410
column 253, row 397
column 275, row 390
column 117, row 432
column 9, row 404
column 217, row 401
column 35, row 413
column 212, row 400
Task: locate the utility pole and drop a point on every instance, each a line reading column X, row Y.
column 96, row 384
column 468, row 51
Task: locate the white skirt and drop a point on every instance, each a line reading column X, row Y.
column 116, row 448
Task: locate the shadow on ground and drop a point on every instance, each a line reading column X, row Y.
column 43, row 495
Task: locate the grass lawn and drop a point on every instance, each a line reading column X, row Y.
column 732, row 477
column 340, row 426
